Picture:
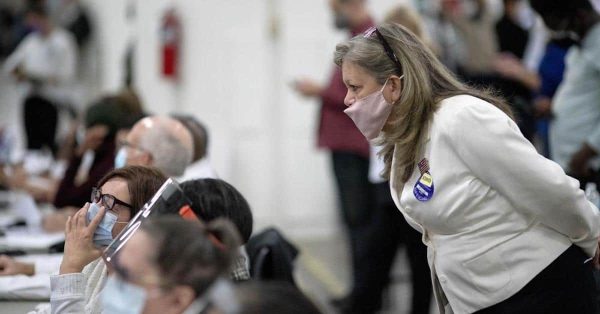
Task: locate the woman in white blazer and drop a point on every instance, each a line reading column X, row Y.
column 507, row 231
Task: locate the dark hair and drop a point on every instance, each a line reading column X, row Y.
column 142, row 183
column 106, row 111
column 273, row 297
column 560, row 7
column 215, row 198
column 36, row 8
column 199, row 134
column 192, row 253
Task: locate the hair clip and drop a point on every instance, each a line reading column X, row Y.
column 215, row 241
column 187, row 213
column 369, row 32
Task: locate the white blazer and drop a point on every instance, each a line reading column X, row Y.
column 493, row 212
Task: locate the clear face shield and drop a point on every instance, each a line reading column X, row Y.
column 169, row 199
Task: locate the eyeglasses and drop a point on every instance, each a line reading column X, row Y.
column 108, row 200
column 388, row 49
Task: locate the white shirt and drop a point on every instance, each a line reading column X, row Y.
column 499, row 212
column 52, row 56
column 200, row 169
column 376, row 165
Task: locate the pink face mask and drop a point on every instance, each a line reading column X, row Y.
column 370, row 113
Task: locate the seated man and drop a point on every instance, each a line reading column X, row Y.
column 157, row 141
column 215, row 198
column 200, row 167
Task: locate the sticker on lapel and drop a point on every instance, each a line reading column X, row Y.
column 424, row 187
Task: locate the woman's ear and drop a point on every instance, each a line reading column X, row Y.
column 147, row 158
column 395, row 88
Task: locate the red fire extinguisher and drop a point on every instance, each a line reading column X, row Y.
column 170, row 41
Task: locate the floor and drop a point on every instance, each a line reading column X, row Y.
column 322, row 272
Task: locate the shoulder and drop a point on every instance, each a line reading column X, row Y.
column 462, row 113
column 462, row 108
column 590, row 46
column 62, row 37
column 31, row 39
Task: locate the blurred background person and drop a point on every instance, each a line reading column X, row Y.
column 575, row 131
column 514, row 81
column 157, row 141
column 72, row 16
column 550, row 71
column 474, row 22
column 388, row 230
column 349, row 149
column 44, row 63
column 94, row 155
column 200, row 166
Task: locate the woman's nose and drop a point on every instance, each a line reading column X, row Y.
column 348, row 100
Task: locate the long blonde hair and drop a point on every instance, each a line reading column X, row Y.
column 425, row 84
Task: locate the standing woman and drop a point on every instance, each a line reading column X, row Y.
column 507, row 231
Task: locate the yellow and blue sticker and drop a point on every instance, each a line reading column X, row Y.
column 424, row 187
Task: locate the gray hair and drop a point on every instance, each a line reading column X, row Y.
column 168, row 153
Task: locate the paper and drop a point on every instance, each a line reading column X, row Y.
column 29, row 240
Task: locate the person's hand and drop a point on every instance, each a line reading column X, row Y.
column 94, row 137
column 19, row 74
column 596, row 259
column 10, row 267
column 543, row 107
column 308, row 87
column 18, row 179
column 578, row 165
column 509, row 66
column 79, row 247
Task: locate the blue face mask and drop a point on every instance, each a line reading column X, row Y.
column 121, row 158
column 103, row 234
column 120, row 297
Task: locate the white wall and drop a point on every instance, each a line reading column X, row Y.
column 235, row 77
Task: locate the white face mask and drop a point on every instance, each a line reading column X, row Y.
column 370, row 113
column 121, row 297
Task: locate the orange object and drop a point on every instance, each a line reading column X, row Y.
column 187, row 213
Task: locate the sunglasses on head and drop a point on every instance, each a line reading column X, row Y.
column 386, row 47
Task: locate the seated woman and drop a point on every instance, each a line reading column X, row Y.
column 169, row 265
column 121, row 193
